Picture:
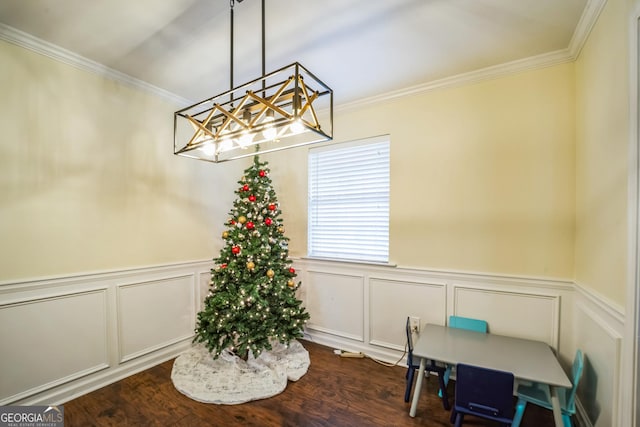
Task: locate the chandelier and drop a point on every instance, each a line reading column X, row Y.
column 287, row 108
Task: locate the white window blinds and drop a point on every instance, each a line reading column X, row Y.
column 349, row 201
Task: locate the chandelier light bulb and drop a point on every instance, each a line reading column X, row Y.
column 208, row 149
column 296, row 126
column 269, row 133
column 245, row 139
column 225, row 144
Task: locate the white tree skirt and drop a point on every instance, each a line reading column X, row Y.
column 230, row 380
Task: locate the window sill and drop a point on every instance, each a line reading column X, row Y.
column 349, row 261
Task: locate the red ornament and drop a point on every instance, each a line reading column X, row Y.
column 292, row 270
column 268, row 221
column 223, row 266
column 235, row 250
column 250, row 225
column 232, row 221
column 272, row 207
column 245, row 187
column 252, row 198
column 262, row 173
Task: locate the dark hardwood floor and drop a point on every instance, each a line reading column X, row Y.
column 334, row 392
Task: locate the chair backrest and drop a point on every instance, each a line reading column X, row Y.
column 484, row 392
column 576, row 372
column 409, row 343
column 468, row 323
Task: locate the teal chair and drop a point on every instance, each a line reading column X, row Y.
column 469, row 324
column 539, row 394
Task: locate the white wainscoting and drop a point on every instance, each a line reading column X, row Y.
column 331, row 293
column 598, row 330
column 39, row 336
column 389, row 297
column 363, row 307
column 499, row 307
column 138, row 330
column 63, row 337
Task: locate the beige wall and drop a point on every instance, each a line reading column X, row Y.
column 602, row 128
column 88, row 179
column 482, row 175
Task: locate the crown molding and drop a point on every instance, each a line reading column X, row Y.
column 585, row 25
column 488, row 73
column 588, row 19
column 50, row 50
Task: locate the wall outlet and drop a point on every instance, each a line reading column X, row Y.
column 414, row 323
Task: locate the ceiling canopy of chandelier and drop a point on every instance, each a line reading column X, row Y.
column 287, row 108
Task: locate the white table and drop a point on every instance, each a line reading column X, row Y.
column 527, row 359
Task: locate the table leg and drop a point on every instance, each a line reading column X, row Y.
column 418, row 389
column 555, row 403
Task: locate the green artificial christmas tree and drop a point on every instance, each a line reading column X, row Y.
column 252, row 300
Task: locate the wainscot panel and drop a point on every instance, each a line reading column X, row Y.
column 598, row 333
column 203, row 289
column 392, row 301
column 40, row 341
column 335, row 303
column 66, row 336
column 499, row 306
column 154, row 314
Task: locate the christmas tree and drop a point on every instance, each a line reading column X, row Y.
column 252, row 300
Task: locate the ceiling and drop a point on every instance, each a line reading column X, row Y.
column 360, row 48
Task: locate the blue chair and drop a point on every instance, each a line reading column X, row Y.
column 540, row 394
column 482, row 392
column 468, row 324
column 413, row 366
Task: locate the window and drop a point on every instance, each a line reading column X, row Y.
column 349, row 201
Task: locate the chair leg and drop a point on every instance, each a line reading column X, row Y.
column 520, row 407
column 454, row 414
column 443, row 389
column 459, row 419
column 407, row 392
column 447, row 374
column 566, row 420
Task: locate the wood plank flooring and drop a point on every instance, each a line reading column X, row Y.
column 334, row 392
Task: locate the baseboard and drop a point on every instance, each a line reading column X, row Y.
column 67, row 392
column 382, row 355
column 581, row 415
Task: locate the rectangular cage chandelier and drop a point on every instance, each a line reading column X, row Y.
column 286, row 108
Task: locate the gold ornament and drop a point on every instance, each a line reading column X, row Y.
column 280, row 229
column 225, row 234
column 251, row 265
column 291, row 283
column 242, row 219
column 270, row 273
